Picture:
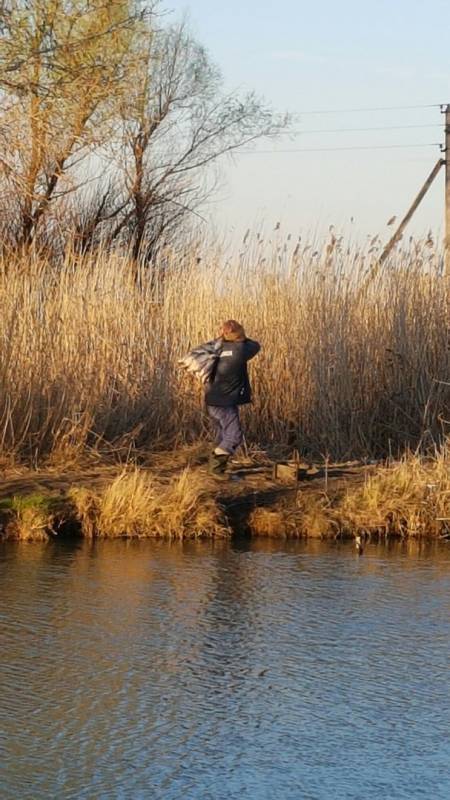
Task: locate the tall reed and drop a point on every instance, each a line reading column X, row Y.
column 355, row 360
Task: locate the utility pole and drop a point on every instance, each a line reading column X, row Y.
column 418, row 199
column 445, row 150
column 446, row 111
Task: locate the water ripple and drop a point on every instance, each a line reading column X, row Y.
column 140, row 670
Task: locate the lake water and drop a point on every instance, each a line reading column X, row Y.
column 219, row 671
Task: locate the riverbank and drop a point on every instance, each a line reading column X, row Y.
column 171, row 495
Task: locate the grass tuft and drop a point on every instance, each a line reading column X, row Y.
column 28, row 517
column 408, row 498
column 137, row 505
column 268, row 522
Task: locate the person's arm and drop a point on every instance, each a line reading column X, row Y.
column 251, row 348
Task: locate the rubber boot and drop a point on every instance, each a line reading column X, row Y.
column 218, row 464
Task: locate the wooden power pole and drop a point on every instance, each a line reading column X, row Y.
column 417, row 200
column 447, row 191
column 442, row 162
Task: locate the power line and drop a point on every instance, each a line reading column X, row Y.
column 349, row 148
column 333, row 149
column 359, row 130
column 358, row 110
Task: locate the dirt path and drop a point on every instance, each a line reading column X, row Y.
column 53, row 481
column 243, row 478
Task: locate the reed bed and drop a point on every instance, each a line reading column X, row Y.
column 355, row 359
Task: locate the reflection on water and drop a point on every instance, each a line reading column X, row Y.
column 221, row 671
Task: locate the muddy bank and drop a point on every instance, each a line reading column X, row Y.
column 172, row 496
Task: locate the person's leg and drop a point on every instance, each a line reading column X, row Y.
column 229, row 436
column 230, row 429
column 217, row 461
column 214, row 413
column 215, row 421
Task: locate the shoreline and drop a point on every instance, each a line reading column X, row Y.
column 171, row 496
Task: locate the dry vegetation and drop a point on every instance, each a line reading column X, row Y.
column 354, row 362
column 405, row 499
column 28, row 519
column 133, row 503
column 136, row 505
column 408, row 498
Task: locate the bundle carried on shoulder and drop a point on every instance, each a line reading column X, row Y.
column 201, row 360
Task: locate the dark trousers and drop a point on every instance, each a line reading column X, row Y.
column 227, row 427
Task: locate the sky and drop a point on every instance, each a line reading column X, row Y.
column 304, row 56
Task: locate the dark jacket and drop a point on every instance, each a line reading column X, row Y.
column 229, row 385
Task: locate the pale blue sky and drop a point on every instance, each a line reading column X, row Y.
column 304, row 56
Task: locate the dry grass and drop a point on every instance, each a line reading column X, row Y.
column 29, row 525
column 28, row 518
column 136, row 504
column 407, row 498
column 272, row 523
column 308, row 517
column 354, row 359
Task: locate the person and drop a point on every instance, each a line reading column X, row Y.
column 228, row 388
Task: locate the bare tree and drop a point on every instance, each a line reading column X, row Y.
column 82, row 81
column 176, row 122
column 63, row 67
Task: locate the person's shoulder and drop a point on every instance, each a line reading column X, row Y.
column 252, row 347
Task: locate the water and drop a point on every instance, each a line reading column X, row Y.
column 214, row 672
